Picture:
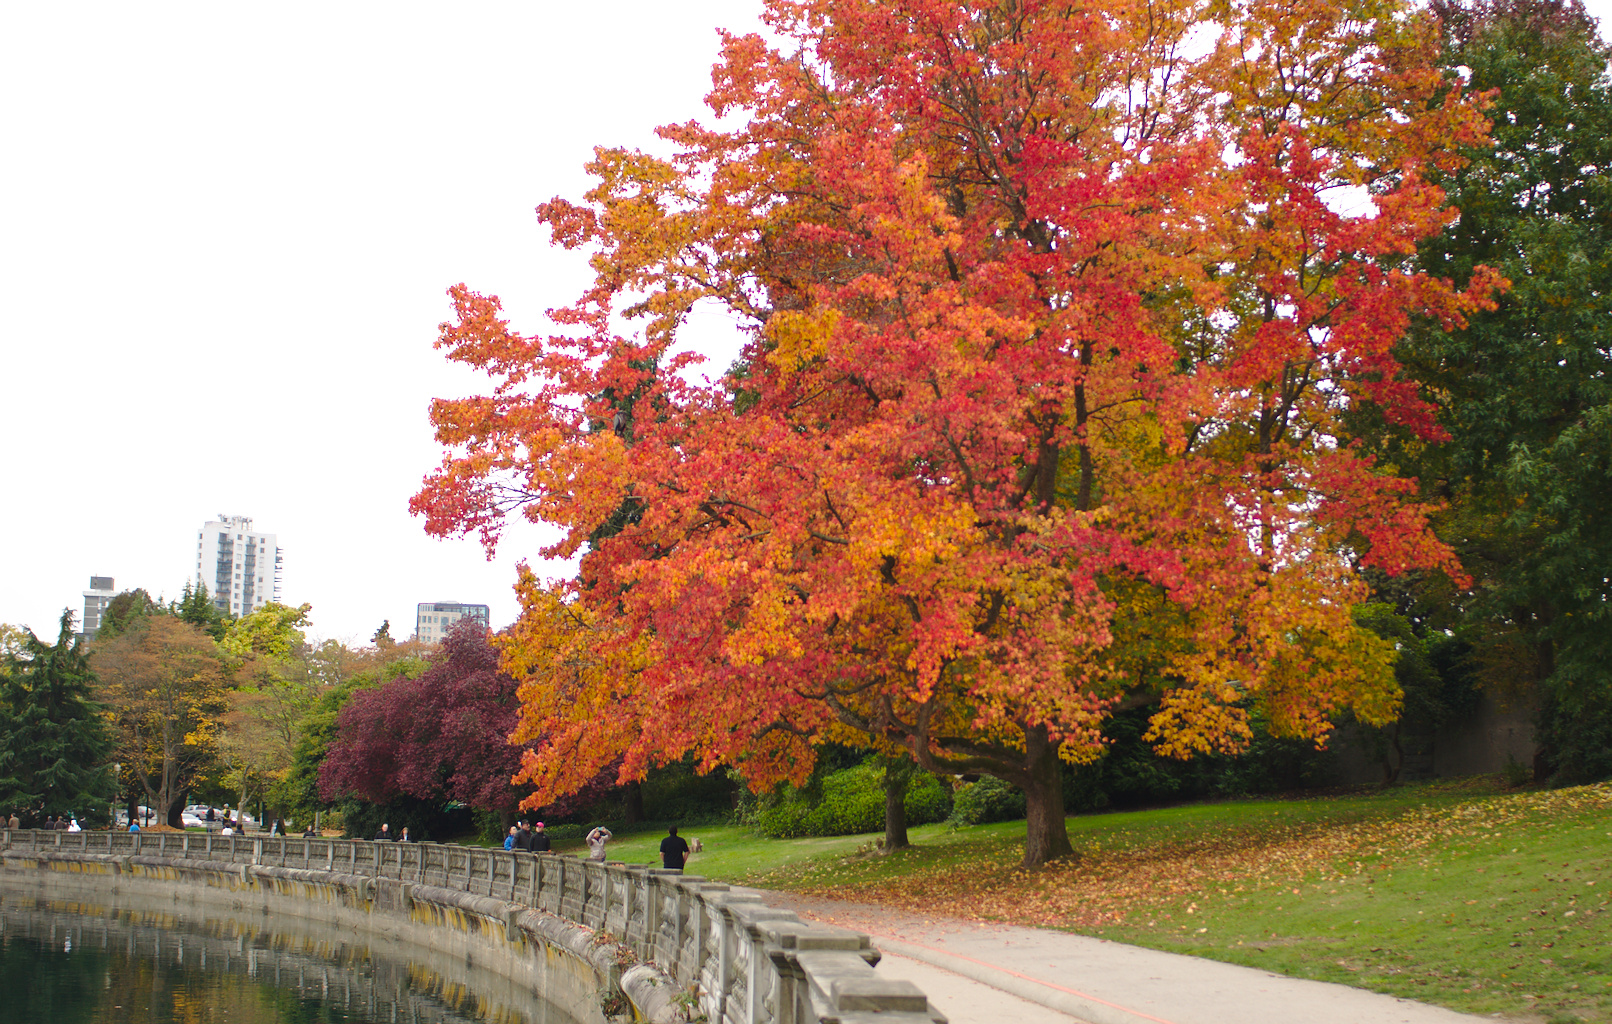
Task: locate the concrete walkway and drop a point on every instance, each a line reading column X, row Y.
column 988, row 974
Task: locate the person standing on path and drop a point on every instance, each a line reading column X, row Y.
column 540, row 840
column 596, row 843
column 15, row 821
column 673, row 850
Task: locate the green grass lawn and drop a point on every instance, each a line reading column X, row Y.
column 1457, row 894
column 732, row 853
column 1506, row 920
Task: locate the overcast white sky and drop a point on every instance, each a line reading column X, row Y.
column 226, row 231
column 225, row 235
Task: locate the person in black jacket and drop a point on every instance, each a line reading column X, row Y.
column 523, row 838
column 384, row 834
column 540, row 840
column 673, row 850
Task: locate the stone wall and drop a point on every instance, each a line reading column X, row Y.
column 588, row 936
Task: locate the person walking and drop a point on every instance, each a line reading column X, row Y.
column 673, row 850
column 15, row 821
column 509, row 840
column 404, row 838
column 596, row 843
column 540, row 840
column 384, row 835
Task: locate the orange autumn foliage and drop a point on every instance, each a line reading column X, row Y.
column 1053, row 317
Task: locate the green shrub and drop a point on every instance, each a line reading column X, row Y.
column 852, row 803
column 990, row 799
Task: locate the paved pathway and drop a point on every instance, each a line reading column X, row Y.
column 990, row 974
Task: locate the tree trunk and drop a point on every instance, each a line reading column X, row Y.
column 1545, row 754
column 1393, row 750
column 897, row 776
column 166, row 803
column 1046, row 835
column 632, row 802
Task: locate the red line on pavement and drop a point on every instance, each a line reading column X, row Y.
column 1031, row 977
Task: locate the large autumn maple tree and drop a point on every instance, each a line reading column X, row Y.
column 1051, row 318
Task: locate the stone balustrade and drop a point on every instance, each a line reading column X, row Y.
column 690, row 948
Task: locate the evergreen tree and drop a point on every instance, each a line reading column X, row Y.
column 54, row 749
column 125, row 610
column 195, row 606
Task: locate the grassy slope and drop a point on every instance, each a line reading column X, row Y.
column 1459, row 895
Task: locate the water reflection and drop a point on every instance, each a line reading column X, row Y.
column 67, row 962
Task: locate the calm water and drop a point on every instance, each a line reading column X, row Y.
column 75, row 963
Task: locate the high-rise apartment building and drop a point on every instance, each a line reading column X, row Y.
column 433, row 620
column 100, row 594
column 240, row 567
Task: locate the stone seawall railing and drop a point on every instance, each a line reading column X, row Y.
column 702, row 949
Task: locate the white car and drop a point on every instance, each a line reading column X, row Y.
column 189, row 820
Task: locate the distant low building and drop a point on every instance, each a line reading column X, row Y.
column 239, row 566
column 101, row 592
column 433, row 620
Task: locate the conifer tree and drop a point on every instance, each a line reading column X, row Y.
column 54, row 749
column 195, row 606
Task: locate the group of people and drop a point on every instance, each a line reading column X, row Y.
column 385, row 835
column 674, row 850
column 64, row 823
column 530, row 838
column 533, row 839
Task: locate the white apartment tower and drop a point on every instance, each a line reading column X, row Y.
column 434, row 620
column 241, row 568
